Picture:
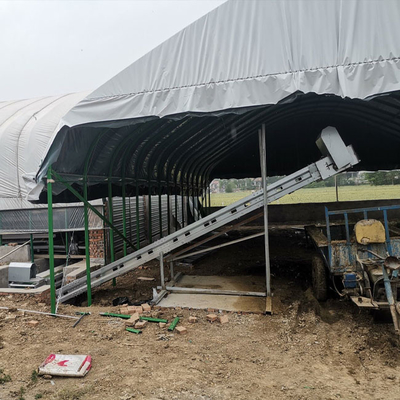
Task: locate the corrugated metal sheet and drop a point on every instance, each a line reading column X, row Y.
column 130, row 221
column 144, row 218
column 35, row 220
column 155, row 213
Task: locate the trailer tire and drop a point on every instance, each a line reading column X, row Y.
column 319, row 278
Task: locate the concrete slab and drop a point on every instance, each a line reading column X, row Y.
column 246, row 283
column 3, row 276
column 38, row 290
column 79, row 270
column 23, row 254
column 218, row 302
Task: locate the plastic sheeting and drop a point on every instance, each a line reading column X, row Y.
column 241, row 55
column 248, row 53
column 26, row 127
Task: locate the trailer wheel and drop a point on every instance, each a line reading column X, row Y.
column 319, row 278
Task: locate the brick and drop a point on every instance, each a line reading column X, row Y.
column 33, row 323
column 162, row 324
column 132, row 320
column 181, row 330
column 192, row 319
column 223, row 319
column 140, row 324
column 134, row 309
column 146, row 307
column 211, row 317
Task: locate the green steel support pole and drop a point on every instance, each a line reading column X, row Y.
column 137, row 218
column 104, row 236
column 87, row 251
column 93, row 209
column 110, row 217
column 160, row 210
column 32, row 254
column 51, row 239
column 150, row 221
column 124, row 215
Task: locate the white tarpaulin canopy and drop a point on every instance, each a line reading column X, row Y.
column 240, row 56
column 248, row 53
column 26, row 128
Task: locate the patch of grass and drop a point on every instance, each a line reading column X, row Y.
column 34, row 376
column 71, row 394
column 21, row 393
column 319, row 195
column 4, row 378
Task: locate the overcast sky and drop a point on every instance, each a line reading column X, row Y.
column 55, row 47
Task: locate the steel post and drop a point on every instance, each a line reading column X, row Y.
column 124, row 215
column 32, row 253
column 137, row 218
column 162, row 277
column 160, row 210
column 87, row 251
column 176, row 208
column 149, row 214
column 110, row 217
column 263, row 162
column 66, row 227
column 168, row 210
column 51, row 239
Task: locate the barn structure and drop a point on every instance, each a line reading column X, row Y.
column 193, row 108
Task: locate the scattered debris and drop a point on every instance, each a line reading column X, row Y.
column 134, row 309
column 162, row 325
column 66, row 365
column 119, row 301
column 181, row 330
column 132, row 320
column 173, row 324
column 82, row 314
column 192, row 319
column 137, row 331
column 146, row 307
column 212, row 317
column 145, row 278
column 223, row 319
column 140, row 324
column 13, row 309
column 150, row 319
column 107, row 314
column 33, row 323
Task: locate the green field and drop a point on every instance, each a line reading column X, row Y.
column 319, row 195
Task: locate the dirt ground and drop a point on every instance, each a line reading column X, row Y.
column 303, row 351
